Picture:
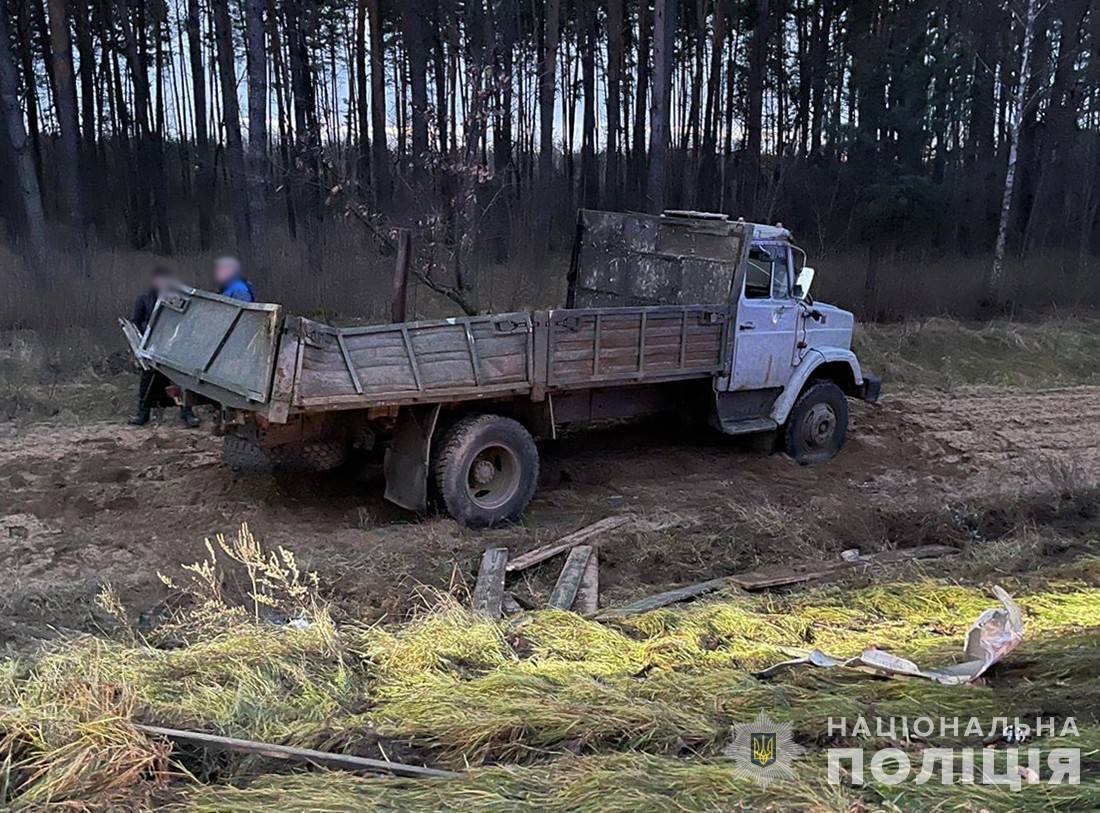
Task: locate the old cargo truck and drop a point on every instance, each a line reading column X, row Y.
column 684, row 312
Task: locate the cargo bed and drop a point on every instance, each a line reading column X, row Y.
column 250, row 356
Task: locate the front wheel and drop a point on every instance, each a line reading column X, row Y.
column 818, row 424
column 486, row 470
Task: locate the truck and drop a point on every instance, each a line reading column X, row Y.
column 689, row 313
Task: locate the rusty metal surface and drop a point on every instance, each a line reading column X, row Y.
column 672, row 259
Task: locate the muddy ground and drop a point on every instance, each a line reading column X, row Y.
column 82, row 504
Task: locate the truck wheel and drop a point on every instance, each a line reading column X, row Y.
column 242, row 454
column 486, row 470
column 817, row 425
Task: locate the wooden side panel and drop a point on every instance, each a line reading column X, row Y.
column 282, row 382
column 415, row 361
column 635, row 344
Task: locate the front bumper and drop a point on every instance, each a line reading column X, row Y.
column 871, row 388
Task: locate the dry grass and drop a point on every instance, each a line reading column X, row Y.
column 650, row 697
column 943, row 352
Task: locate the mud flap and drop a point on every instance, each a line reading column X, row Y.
column 408, row 456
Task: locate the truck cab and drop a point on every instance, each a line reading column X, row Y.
column 783, row 344
column 788, row 364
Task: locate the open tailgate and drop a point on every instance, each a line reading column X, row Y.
column 219, row 347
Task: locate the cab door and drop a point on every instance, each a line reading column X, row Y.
column 766, row 330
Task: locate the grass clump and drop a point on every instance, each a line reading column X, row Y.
column 627, row 783
column 78, row 750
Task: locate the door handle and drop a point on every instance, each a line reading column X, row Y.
column 747, row 326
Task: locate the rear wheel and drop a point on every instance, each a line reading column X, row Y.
column 818, row 424
column 242, row 454
column 486, row 470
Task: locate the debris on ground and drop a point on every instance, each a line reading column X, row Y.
column 346, row 762
column 565, row 591
column 587, row 601
column 648, row 603
column 489, row 590
column 509, row 605
column 797, row 573
column 578, row 537
column 995, row 633
column 808, row 571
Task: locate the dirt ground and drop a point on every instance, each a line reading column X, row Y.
column 84, row 504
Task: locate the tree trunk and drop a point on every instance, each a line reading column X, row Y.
column 231, row 118
column 65, row 103
column 641, row 93
column 29, row 196
column 205, row 174
column 256, row 49
column 380, row 163
column 664, row 25
column 995, row 278
column 590, row 181
column 151, row 159
column 614, row 100
column 278, row 72
column 299, row 24
column 708, row 166
column 416, row 47
column 361, row 109
column 547, row 90
column 758, row 56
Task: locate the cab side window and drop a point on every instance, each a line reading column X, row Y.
column 758, row 274
column 781, row 274
column 767, row 275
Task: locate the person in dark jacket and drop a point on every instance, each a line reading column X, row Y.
column 230, row 279
column 153, row 385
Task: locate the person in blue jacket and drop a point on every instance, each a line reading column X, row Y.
column 230, row 279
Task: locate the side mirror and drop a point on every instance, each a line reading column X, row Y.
column 803, row 282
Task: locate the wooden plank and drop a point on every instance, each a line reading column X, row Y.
column 510, row 606
column 587, row 601
column 349, row 365
column 569, row 581
column 399, row 296
column 801, row 572
column 489, row 590
column 691, row 591
column 541, row 554
column 282, row 382
column 343, row 761
column 796, row 573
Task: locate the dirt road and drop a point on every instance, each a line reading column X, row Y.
column 99, row 502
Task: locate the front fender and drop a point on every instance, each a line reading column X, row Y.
column 804, row 372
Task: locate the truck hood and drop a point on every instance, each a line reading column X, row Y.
column 834, row 329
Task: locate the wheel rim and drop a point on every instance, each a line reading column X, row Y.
column 492, row 478
column 819, row 426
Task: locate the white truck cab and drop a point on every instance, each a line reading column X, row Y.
column 789, row 352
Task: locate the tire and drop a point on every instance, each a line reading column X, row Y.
column 818, row 424
column 241, row 454
column 486, row 470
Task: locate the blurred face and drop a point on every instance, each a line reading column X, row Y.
column 224, row 271
column 160, row 282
